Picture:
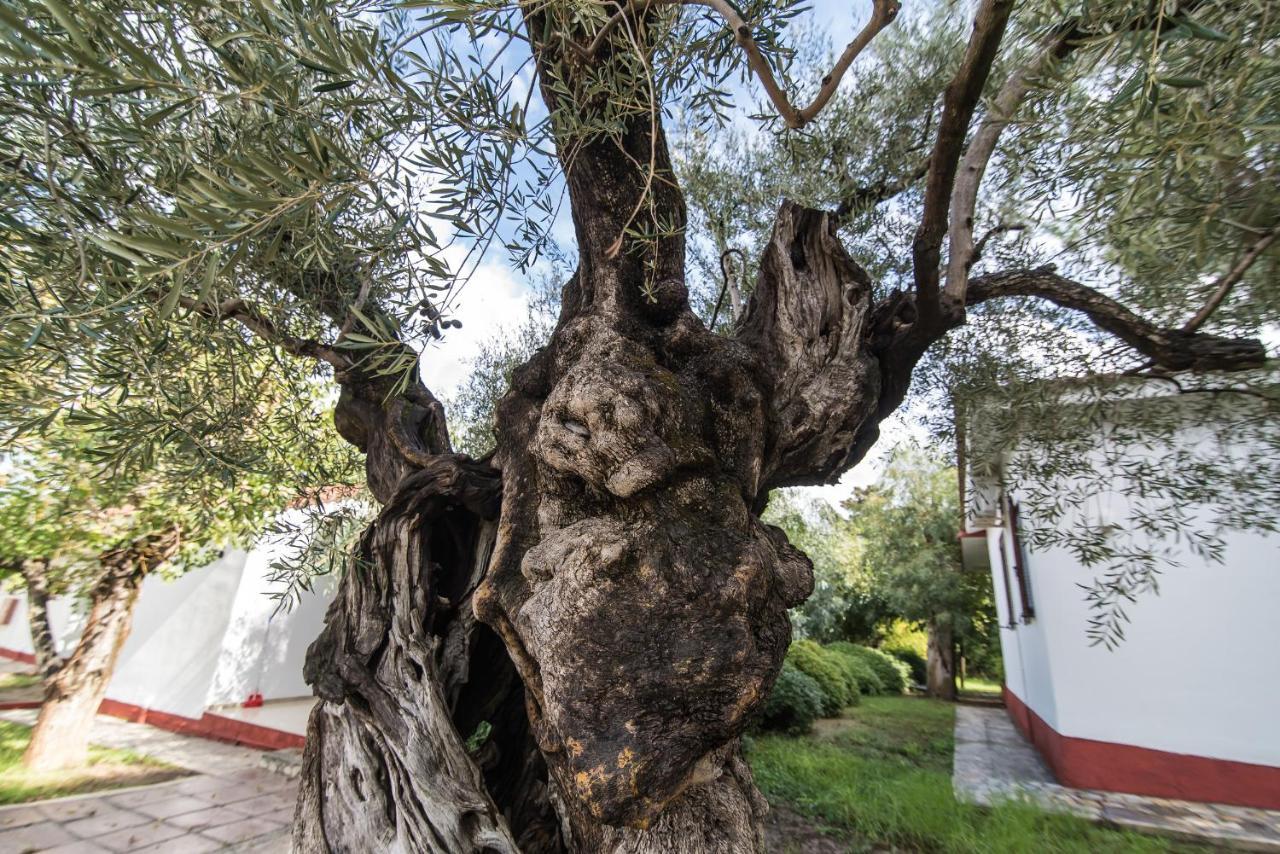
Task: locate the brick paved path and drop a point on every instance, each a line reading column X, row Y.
column 232, row 804
column 994, row 762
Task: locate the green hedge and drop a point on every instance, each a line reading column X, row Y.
column 892, row 674
column 839, row 689
column 857, row 669
column 912, row 660
column 794, row 703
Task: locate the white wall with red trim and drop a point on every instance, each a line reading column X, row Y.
column 210, row 637
column 1198, row 671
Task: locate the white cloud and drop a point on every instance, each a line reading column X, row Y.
column 493, row 303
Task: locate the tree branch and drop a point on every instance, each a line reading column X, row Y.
column 1169, row 349
column 1057, row 46
column 258, row 323
column 882, row 14
column 957, row 111
column 872, row 194
column 963, row 254
column 1231, row 278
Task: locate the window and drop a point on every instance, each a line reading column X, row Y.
column 1019, row 561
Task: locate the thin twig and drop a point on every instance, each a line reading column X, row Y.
column 1231, row 278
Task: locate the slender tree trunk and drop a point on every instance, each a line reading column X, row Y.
column 74, row 693
column 940, row 662
column 35, row 576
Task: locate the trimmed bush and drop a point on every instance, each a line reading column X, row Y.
column 893, row 674
column 825, row 667
column 915, row 663
column 794, row 703
column 859, row 671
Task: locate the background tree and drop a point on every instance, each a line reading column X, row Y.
column 70, row 525
column 908, row 526
column 601, row 591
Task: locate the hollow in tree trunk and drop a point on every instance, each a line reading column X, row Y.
column 73, row 694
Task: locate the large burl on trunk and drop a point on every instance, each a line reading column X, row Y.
column 614, row 545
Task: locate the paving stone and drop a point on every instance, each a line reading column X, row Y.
column 71, row 809
column 271, row 802
column 107, row 819
column 175, row 806
column 211, row 817
column 141, row 797
column 186, row 844
column 134, row 838
column 243, row 831
column 35, row 837
column 19, row 816
column 82, row 846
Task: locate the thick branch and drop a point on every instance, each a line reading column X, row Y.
column 957, row 111
column 1170, row 349
column 964, row 199
column 259, row 324
column 808, row 317
column 34, row 575
column 1060, row 44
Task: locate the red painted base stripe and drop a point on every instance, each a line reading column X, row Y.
column 15, row 655
column 1087, row 764
column 20, row 704
column 215, row 727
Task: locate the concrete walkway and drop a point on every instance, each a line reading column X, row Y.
column 993, row 762
column 233, row 803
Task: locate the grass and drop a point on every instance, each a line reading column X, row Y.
column 974, row 685
column 18, row 680
column 880, row 777
column 107, row 769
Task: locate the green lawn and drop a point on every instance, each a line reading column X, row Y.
column 977, row 685
column 107, row 769
column 880, row 778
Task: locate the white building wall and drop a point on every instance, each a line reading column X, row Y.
column 265, row 646
column 1198, row 671
column 66, row 619
column 167, row 663
column 209, row 637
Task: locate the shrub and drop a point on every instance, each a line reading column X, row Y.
column 914, row 662
column 908, row 643
column 825, row 668
column 858, row 670
column 794, row 704
column 892, row 674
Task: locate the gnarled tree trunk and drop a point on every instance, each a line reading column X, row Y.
column 73, row 694
column 558, row 648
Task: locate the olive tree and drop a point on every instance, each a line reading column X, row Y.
column 558, row 647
